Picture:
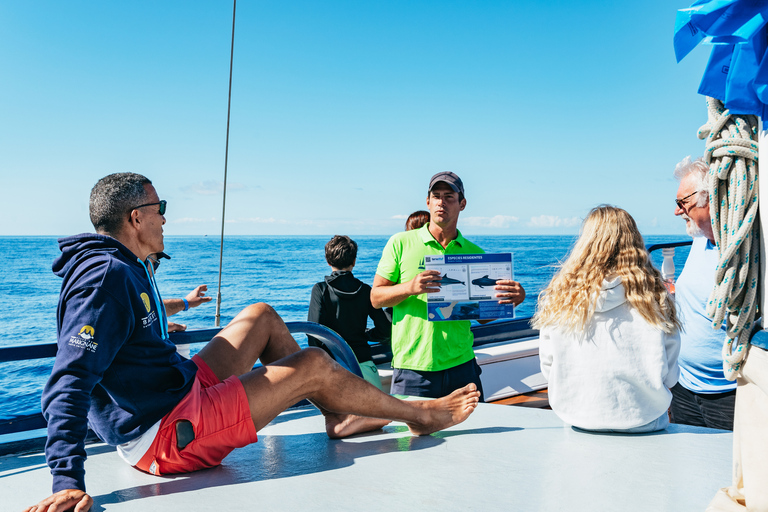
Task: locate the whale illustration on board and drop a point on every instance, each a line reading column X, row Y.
column 484, row 281
column 445, row 280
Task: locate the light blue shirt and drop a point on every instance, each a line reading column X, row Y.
column 700, row 360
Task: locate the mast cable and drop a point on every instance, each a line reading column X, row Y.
column 226, row 159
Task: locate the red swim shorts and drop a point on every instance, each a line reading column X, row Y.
column 221, row 420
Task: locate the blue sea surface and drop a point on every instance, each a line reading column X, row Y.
column 277, row 270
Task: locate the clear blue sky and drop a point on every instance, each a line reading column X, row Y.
column 342, row 110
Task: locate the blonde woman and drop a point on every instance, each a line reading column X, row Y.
column 609, row 332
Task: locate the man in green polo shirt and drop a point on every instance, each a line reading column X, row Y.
column 430, row 359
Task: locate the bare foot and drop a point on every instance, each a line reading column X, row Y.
column 345, row 425
column 446, row 411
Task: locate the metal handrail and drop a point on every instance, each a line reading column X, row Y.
column 656, row 247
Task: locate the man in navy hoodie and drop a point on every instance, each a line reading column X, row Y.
column 116, row 369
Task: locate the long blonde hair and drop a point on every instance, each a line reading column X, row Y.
column 609, row 244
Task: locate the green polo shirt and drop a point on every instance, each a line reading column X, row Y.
column 416, row 343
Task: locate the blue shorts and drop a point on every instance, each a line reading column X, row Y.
column 436, row 384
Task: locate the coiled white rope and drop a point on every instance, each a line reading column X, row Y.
column 731, row 153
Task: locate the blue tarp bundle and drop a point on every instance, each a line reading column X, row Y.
column 737, row 71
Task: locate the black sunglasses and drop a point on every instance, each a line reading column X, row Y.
column 156, row 258
column 161, row 210
column 154, row 261
column 681, row 202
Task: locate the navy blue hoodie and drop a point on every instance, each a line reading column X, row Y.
column 114, row 364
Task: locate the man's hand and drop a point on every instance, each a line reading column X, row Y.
column 425, row 282
column 386, row 293
column 173, row 327
column 197, row 296
column 64, row 500
column 512, row 292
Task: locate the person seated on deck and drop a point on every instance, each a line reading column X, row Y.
column 609, row 336
column 342, row 303
column 117, row 371
column 416, row 220
column 703, row 397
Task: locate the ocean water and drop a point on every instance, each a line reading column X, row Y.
column 277, row 270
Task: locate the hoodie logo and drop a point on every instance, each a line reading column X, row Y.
column 151, row 315
column 145, row 300
column 85, row 339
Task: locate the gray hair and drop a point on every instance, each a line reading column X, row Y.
column 699, row 170
column 112, row 199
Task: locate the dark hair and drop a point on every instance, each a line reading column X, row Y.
column 112, row 199
column 416, row 220
column 341, row 251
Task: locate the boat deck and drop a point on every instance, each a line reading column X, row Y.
column 501, row 458
column 536, row 399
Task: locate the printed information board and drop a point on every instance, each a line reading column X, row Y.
column 466, row 287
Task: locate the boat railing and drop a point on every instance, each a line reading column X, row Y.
column 668, row 261
column 667, row 245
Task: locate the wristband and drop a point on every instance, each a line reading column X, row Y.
column 186, row 304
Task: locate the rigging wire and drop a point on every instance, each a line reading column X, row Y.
column 226, row 161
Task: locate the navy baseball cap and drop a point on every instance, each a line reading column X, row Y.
column 450, row 178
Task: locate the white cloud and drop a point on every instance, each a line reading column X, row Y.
column 497, row 221
column 553, row 221
column 399, row 217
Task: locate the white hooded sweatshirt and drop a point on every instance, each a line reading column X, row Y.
column 614, row 375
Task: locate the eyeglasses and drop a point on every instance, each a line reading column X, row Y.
column 681, row 202
column 155, row 258
column 161, row 210
column 154, row 261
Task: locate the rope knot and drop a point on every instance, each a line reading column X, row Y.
column 732, row 155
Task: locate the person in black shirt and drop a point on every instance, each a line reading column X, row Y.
column 342, row 303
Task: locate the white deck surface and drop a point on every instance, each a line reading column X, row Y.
column 501, row 458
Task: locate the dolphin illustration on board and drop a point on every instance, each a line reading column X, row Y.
column 445, row 280
column 484, row 281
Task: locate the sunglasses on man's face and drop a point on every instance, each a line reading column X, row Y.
column 681, row 202
column 160, row 210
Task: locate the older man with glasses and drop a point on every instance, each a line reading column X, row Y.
column 703, row 396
